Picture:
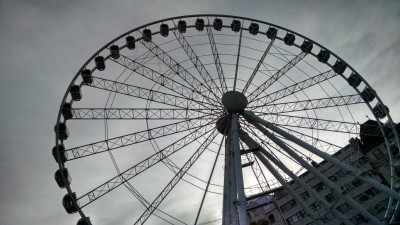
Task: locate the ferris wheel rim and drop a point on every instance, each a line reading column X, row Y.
column 69, row 190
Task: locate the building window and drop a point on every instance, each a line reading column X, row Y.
column 329, row 198
column 343, row 208
column 341, row 173
column 289, row 205
column 319, row 187
column 357, row 219
column 333, row 178
column 305, row 195
column 324, row 219
column 368, row 194
column 296, row 217
column 356, row 182
column 378, row 153
column 315, row 205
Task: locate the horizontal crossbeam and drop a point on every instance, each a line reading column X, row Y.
column 311, row 104
column 145, row 113
column 134, row 138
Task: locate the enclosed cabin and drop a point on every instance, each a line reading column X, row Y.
column 199, row 24
column 306, row 46
column 76, row 92
column 182, row 26
column 114, row 51
column 368, row 94
column 323, row 56
column 100, row 63
column 379, row 110
column 339, row 67
column 84, row 221
column 354, row 80
column 289, row 39
column 254, row 28
column 60, row 152
column 67, row 111
column 271, row 33
column 87, row 76
column 69, row 203
column 146, row 35
column 130, row 42
column 164, row 30
column 63, row 132
column 217, row 24
column 236, row 25
column 58, row 176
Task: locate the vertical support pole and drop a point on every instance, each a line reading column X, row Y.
column 241, row 201
column 234, row 218
column 229, row 212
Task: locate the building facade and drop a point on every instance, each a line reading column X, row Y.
column 369, row 156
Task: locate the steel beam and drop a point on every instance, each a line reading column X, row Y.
column 241, row 201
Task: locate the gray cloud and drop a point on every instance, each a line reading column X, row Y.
column 45, row 42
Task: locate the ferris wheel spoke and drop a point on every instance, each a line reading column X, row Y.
column 137, row 137
column 142, row 166
column 209, row 180
column 178, row 176
column 189, row 78
column 148, row 94
column 217, row 60
column 313, row 123
column 145, row 203
column 167, row 81
column 261, row 89
column 238, row 57
column 141, row 113
column 260, row 62
column 300, row 86
column 310, row 104
column 175, row 169
column 205, row 75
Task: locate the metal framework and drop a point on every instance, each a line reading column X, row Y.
column 155, row 105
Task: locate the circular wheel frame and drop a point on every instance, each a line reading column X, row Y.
column 150, row 101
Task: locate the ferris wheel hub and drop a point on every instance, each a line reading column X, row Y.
column 234, row 101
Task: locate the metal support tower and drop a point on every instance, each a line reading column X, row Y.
column 234, row 204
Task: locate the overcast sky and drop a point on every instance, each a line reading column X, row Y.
column 44, row 43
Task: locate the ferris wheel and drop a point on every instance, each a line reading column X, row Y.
column 187, row 119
